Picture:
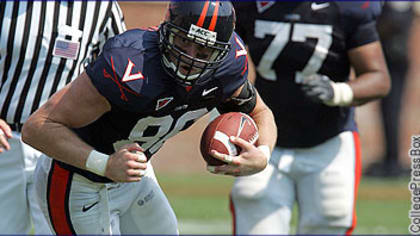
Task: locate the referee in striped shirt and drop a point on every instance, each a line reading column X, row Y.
column 43, row 46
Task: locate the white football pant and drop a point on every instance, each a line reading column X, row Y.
column 322, row 180
column 18, row 205
column 75, row 205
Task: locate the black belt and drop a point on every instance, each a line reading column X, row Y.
column 16, row 127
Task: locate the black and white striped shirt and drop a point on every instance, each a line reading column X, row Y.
column 44, row 45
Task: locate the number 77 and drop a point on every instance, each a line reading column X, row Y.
column 282, row 32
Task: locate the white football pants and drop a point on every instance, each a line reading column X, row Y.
column 18, row 206
column 322, row 180
column 75, row 205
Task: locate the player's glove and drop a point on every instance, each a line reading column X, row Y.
column 319, row 88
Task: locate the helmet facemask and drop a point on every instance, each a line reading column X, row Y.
column 190, row 69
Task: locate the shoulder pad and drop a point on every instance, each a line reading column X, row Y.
column 118, row 71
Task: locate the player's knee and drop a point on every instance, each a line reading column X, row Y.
column 336, row 203
column 335, row 210
column 333, row 215
column 334, row 219
column 336, row 207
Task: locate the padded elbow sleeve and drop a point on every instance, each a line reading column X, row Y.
column 245, row 102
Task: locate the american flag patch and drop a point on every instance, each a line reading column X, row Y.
column 66, row 49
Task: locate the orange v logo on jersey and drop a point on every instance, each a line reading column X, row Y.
column 128, row 76
column 115, row 79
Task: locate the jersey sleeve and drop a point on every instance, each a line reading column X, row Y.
column 107, row 73
column 359, row 22
column 234, row 71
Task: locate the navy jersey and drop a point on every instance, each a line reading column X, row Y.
column 288, row 40
column 147, row 105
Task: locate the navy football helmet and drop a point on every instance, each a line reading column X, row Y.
column 194, row 38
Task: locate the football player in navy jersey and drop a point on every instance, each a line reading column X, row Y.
column 147, row 85
column 303, row 52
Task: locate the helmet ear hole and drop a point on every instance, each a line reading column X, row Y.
column 210, row 33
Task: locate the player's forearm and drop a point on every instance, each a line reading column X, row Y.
column 56, row 141
column 267, row 128
column 372, row 78
column 370, row 86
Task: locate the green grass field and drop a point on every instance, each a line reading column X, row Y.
column 200, row 202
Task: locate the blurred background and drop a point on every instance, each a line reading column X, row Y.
column 200, row 199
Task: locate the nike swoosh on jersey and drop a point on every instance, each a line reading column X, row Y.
column 207, row 91
column 86, row 208
column 315, row 6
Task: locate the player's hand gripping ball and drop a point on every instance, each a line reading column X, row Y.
column 216, row 135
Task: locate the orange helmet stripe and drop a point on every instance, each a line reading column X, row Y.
column 214, row 17
column 203, row 14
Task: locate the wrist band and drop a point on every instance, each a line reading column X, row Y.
column 343, row 95
column 266, row 150
column 96, row 162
